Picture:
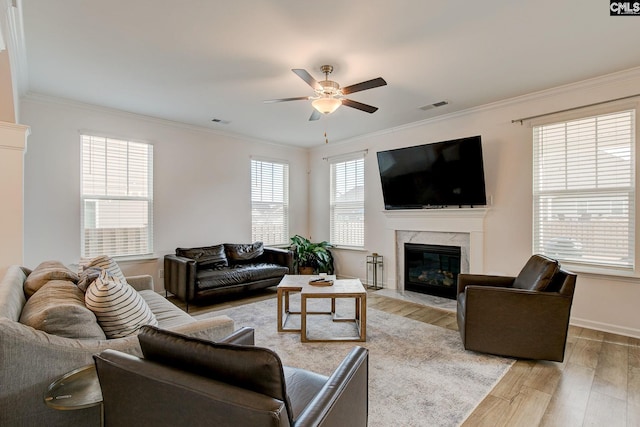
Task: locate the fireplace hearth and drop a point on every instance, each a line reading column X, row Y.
column 431, row 269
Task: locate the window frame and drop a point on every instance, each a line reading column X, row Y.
column 589, row 265
column 149, row 199
column 352, row 204
column 286, row 206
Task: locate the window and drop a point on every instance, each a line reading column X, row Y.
column 117, row 197
column 270, row 202
column 584, row 190
column 347, row 202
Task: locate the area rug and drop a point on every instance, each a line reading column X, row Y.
column 419, row 374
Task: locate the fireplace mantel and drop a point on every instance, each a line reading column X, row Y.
column 463, row 221
column 446, row 220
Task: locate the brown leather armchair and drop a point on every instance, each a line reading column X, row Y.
column 525, row 316
column 188, row 381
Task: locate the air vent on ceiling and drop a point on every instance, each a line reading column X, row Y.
column 434, row 105
column 222, row 122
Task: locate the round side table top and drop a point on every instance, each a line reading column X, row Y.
column 77, row 389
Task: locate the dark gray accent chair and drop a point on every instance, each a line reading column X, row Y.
column 524, row 317
column 193, row 382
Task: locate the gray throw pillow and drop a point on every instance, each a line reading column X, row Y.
column 58, row 309
column 45, row 271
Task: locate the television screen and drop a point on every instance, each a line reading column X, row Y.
column 447, row 173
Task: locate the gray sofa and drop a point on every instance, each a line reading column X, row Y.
column 31, row 359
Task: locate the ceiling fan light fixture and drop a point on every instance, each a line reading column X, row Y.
column 326, row 104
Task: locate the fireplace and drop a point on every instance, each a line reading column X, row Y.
column 431, row 269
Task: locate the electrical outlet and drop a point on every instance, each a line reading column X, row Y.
column 161, row 273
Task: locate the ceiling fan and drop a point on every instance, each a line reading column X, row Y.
column 328, row 94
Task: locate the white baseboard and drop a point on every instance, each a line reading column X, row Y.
column 606, row 327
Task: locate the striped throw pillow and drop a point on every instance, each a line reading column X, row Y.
column 104, row 262
column 119, row 308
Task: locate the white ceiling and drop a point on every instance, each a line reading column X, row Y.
column 194, row 60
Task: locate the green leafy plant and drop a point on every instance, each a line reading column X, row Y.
column 315, row 255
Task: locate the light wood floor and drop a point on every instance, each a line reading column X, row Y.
column 598, row 384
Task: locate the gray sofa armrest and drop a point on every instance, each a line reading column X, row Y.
column 344, row 399
column 211, row 329
column 243, row 336
column 141, row 282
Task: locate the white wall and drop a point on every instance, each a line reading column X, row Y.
column 201, row 181
column 601, row 302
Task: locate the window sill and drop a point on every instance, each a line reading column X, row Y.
column 349, row 248
column 602, row 272
column 136, row 258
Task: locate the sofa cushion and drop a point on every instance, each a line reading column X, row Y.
column 243, row 252
column 168, row 315
column 238, row 274
column 245, row 366
column 120, row 309
column 537, row 273
column 207, row 256
column 103, row 262
column 45, row 271
column 58, row 309
column 87, row 277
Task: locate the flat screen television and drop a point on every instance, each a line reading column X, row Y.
column 441, row 174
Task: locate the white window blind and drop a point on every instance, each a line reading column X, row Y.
column 584, row 190
column 347, row 202
column 270, row 202
column 117, row 197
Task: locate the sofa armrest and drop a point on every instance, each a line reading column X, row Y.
column 343, row 400
column 141, row 283
column 278, row 256
column 243, row 336
column 211, row 329
column 180, row 276
column 465, row 280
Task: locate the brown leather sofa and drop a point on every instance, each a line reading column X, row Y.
column 525, row 316
column 201, row 273
column 192, row 382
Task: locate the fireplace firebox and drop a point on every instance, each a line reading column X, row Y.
column 431, row 269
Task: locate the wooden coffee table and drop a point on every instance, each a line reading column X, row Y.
column 347, row 288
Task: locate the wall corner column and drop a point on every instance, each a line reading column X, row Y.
column 13, row 146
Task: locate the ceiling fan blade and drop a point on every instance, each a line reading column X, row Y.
column 298, row 98
column 369, row 84
column 359, row 105
column 315, row 115
column 304, row 75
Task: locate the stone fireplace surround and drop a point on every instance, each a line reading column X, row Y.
column 462, row 227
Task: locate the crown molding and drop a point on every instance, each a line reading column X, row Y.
column 43, row 99
column 588, row 84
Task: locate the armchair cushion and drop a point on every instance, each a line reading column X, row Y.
column 252, row 368
column 537, row 273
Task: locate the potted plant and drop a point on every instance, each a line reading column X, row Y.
column 310, row 258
